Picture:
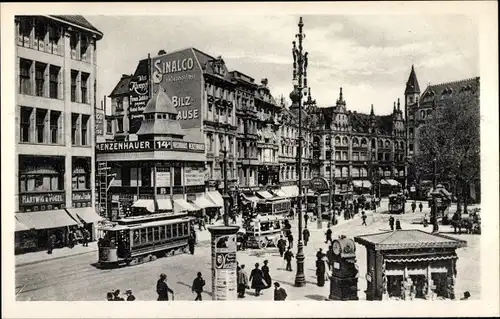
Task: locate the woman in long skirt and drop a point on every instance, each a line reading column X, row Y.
column 320, row 272
column 267, row 276
column 257, row 278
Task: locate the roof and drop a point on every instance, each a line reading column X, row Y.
column 412, row 83
column 450, row 92
column 79, row 21
column 207, row 64
column 160, row 103
column 122, row 87
column 408, row 239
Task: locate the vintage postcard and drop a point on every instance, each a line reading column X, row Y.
column 288, row 159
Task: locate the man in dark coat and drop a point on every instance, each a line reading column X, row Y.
column 320, row 254
column 257, row 278
column 242, row 282
column 391, row 222
column 328, row 235
column 197, row 287
column 71, row 239
column 130, row 296
column 420, row 206
column 398, row 225
column 306, row 234
column 306, row 219
column 363, row 217
column 320, row 272
column 281, row 245
column 413, row 207
column 290, row 240
column 85, row 237
column 288, row 257
column 116, row 295
column 191, row 242
column 279, row 293
column 162, row 288
column 50, row 243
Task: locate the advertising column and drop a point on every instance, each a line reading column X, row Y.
column 224, row 262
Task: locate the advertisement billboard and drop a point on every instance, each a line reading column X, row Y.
column 224, row 262
column 139, row 88
column 99, row 122
column 180, row 76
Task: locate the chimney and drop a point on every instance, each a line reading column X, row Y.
column 162, row 52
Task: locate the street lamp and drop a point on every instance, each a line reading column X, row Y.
column 435, row 226
column 332, row 183
column 300, row 61
column 226, row 197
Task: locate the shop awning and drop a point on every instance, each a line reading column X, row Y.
column 265, row 194
column 204, row 202
column 363, row 183
column 20, row 226
column 147, row 204
column 216, row 197
column 419, row 258
column 292, row 191
column 46, row 219
column 164, row 204
column 250, row 197
column 181, row 205
column 384, row 182
column 393, row 182
column 85, row 214
column 280, row 193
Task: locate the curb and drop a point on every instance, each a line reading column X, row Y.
column 55, row 258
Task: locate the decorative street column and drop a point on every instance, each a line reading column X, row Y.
column 224, row 262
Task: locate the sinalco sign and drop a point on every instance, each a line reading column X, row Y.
column 319, row 184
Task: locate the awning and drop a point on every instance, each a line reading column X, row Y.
column 181, row 205
column 216, row 197
column 86, row 214
column 265, row 194
column 164, row 204
column 280, row 193
column 204, row 202
column 384, row 182
column 46, row 219
column 148, row 204
column 292, row 191
column 251, row 198
column 20, row 226
column 358, row 183
column 419, row 259
column 367, row 184
column 393, row 182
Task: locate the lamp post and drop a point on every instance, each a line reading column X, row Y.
column 435, row 226
column 300, row 61
column 227, row 203
column 332, row 184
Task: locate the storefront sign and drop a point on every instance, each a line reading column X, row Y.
column 319, row 184
column 194, row 176
column 224, row 263
column 42, row 198
column 138, row 146
column 99, row 122
column 179, row 74
column 81, row 196
column 163, row 178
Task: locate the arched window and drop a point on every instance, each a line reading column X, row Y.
column 337, row 140
column 402, row 145
column 401, row 173
column 355, row 172
column 345, row 171
column 422, row 114
column 363, row 172
column 337, row 172
column 355, row 142
column 344, row 141
column 374, row 143
column 363, row 142
column 380, row 144
column 387, row 144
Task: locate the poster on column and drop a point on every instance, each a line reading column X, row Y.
column 224, row 267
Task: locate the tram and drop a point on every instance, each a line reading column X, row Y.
column 396, row 204
column 134, row 240
column 263, row 231
column 281, row 206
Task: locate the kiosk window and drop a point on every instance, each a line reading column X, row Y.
column 169, row 231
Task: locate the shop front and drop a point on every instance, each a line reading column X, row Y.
column 87, row 218
column 410, row 264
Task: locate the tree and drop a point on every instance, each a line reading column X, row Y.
column 452, row 138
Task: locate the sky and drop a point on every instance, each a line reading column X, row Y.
column 369, row 56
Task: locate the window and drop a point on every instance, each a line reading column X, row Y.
column 422, row 114
column 126, row 176
column 85, row 128
column 169, row 231
column 25, row 123
column 337, row 140
column 162, row 232
column 177, row 176
column 411, row 99
column 40, row 78
column 84, row 86
column 143, row 236
column 344, row 141
column 25, row 28
column 355, row 142
column 355, row 156
column 54, row 126
column 387, row 156
column 150, row 234
column 109, row 126
column 40, row 31
column 410, row 146
column 119, row 125
column 74, row 76
column 155, row 233
column 84, row 45
column 74, row 127
column 362, row 156
column 146, row 175
column 40, row 125
column 380, row 156
column 344, row 156
column 73, row 41
column 25, row 76
column 54, row 82
column 337, row 156
column 54, row 35
column 174, row 230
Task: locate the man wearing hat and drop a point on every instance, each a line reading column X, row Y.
column 130, row 296
column 279, row 293
column 162, row 288
column 116, row 294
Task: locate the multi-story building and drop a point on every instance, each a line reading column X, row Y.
column 56, row 59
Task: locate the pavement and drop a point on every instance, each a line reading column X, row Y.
column 75, row 277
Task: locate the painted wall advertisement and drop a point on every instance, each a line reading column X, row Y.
column 180, row 75
column 139, row 88
column 194, row 176
column 99, row 122
column 224, row 266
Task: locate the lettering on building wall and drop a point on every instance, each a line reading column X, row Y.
column 81, row 196
column 171, row 66
column 171, row 145
column 46, row 198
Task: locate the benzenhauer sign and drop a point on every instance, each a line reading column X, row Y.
column 137, row 146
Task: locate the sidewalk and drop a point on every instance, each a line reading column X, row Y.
column 58, row 253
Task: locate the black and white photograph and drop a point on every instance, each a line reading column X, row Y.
column 339, row 157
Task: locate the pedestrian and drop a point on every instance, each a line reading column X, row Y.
column 85, row 238
column 191, row 242
column 466, row 296
column 391, row 222
column 110, row 296
column 420, row 206
column 162, row 289
column 306, row 234
column 290, row 240
column 398, row 225
column 71, row 239
column 425, row 222
column 50, row 243
column 197, row 287
column 244, row 240
column 413, row 207
column 281, row 245
column 363, row 217
column 320, row 254
column 267, row 275
column 130, row 296
column 279, row 293
column 116, row 295
column 328, row 235
column 288, row 257
column 242, row 282
column 320, row 272
column 306, row 218
column 257, row 278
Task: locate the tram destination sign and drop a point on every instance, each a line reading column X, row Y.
column 142, row 146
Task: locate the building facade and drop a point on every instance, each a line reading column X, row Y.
column 56, row 59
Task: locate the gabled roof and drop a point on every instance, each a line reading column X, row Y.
column 207, row 61
column 450, row 92
column 79, row 21
column 408, row 239
column 160, row 103
column 412, row 83
column 122, row 87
